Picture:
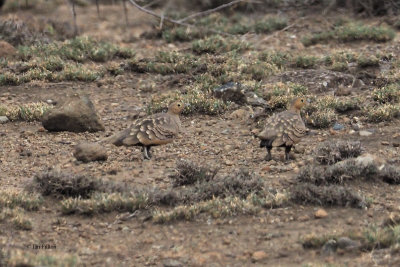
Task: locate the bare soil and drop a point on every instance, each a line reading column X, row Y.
column 217, row 141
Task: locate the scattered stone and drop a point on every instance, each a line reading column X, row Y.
column 320, row 213
column 172, row 263
column 347, row 243
column 87, row 152
column 76, row 114
column 258, row 256
column 365, row 133
column 338, row 127
column 352, row 132
column 4, row 119
column 329, row 247
column 231, row 91
column 254, row 100
column 385, row 143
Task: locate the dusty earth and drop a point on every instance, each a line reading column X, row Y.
column 218, row 141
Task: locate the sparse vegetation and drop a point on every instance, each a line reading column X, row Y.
column 330, row 152
column 13, row 198
column 19, row 257
column 332, row 195
column 25, row 112
column 218, row 44
column 188, row 173
column 197, row 102
column 352, row 32
column 385, row 112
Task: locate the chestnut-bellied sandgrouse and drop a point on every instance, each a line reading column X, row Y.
column 284, row 129
column 158, row 129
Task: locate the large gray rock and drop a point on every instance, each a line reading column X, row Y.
column 87, row 152
column 76, row 114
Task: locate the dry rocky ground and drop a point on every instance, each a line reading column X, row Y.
column 282, row 230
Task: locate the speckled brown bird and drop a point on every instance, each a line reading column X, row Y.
column 284, row 129
column 158, row 129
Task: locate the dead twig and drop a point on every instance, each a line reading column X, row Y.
column 205, row 13
column 172, row 20
column 125, row 12
column 72, row 4
column 98, row 8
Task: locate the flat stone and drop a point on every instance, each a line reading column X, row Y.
column 320, row 213
column 4, row 119
column 365, row 133
column 259, row 256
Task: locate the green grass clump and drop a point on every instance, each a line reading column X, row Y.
column 16, row 258
column 165, row 63
column 367, row 61
column 17, row 218
column 387, row 94
column 280, row 59
column 79, row 49
column 196, row 102
column 103, row 203
column 339, row 61
column 352, row 32
column 25, row 112
column 27, row 201
column 221, row 207
column 270, row 25
column 9, row 78
column 217, row 44
column 323, row 118
column 305, row 62
column 386, row 112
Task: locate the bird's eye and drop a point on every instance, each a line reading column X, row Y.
column 302, row 100
column 179, row 105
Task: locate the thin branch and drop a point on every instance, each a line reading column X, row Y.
column 152, row 3
column 98, row 8
column 172, row 20
column 205, row 13
column 125, row 12
column 72, row 3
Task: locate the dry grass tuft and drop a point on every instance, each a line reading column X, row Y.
column 331, row 195
column 330, row 152
column 188, row 173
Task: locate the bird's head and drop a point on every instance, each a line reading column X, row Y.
column 176, row 108
column 298, row 103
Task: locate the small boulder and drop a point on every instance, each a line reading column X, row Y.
column 4, row 119
column 76, row 114
column 87, row 152
column 321, row 213
column 258, row 256
column 231, row 91
column 239, row 94
column 6, row 50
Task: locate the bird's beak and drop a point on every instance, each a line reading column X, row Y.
column 308, row 101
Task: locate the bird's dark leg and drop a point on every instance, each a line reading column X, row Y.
column 269, row 156
column 146, row 152
column 287, row 151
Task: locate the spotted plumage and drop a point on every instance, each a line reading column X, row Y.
column 158, row 129
column 284, row 129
